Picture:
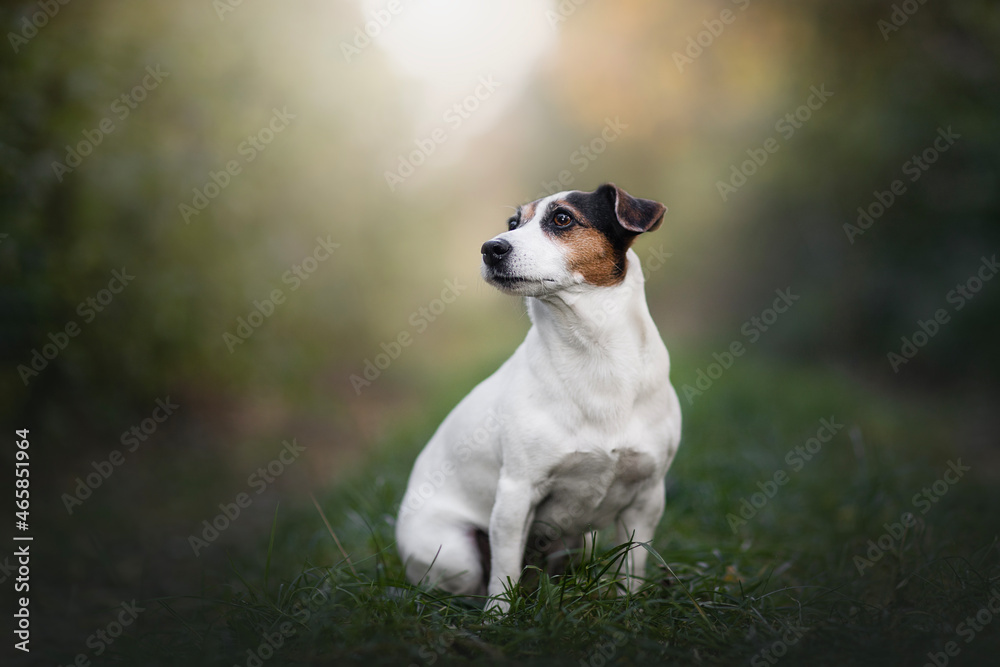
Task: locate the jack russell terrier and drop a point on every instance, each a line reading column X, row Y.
column 573, row 433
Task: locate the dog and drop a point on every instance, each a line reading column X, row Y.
column 574, row 432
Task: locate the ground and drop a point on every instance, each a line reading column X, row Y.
column 774, row 548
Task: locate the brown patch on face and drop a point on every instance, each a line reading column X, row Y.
column 528, row 210
column 592, row 254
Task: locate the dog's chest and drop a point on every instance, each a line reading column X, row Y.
column 588, row 489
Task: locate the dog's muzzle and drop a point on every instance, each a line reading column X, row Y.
column 494, row 251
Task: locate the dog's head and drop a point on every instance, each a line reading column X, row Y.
column 569, row 238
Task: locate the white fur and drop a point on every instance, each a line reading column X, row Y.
column 573, row 433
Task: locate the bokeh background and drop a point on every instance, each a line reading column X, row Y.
column 586, row 91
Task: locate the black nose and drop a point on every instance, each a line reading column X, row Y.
column 494, row 251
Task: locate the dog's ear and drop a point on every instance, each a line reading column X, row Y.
column 634, row 214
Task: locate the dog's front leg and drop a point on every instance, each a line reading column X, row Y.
column 637, row 523
column 509, row 522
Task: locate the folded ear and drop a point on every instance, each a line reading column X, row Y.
column 634, row 214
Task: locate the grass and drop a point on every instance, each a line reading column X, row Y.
column 715, row 595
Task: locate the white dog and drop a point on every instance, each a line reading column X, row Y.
column 575, row 431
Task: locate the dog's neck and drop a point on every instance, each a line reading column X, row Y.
column 595, row 322
column 596, row 347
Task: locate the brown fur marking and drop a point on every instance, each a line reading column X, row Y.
column 528, row 211
column 592, row 255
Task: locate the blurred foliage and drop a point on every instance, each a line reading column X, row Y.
column 683, row 129
column 324, row 176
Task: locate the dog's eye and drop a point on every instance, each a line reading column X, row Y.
column 512, row 224
column 562, row 220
